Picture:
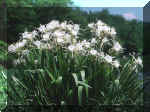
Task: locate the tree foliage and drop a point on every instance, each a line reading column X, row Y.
column 38, row 3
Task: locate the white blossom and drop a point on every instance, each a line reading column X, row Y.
column 105, row 40
column 116, row 63
column 27, row 35
column 104, row 28
column 117, row 46
column 100, row 23
column 113, row 31
column 60, row 40
column 74, row 32
column 59, row 33
column 19, row 61
column 71, row 48
column 69, row 27
column 139, row 61
column 85, row 43
column 76, row 27
column 37, row 43
column 101, row 54
column 12, row 48
column 52, row 25
column 46, row 36
column 91, row 25
column 42, row 28
column 79, row 47
column 108, row 58
column 67, row 38
column 74, row 41
column 25, row 52
column 93, row 41
column 63, row 25
column 36, row 61
column 66, row 35
column 34, row 33
column 93, row 52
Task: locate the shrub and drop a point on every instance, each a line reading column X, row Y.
column 54, row 65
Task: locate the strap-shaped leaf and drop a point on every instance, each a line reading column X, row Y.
column 75, row 78
column 70, row 92
column 59, row 80
column 4, row 74
column 87, row 91
column 84, row 84
column 50, row 75
column 19, row 82
column 80, row 90
column 102, row 93
column 117, row 82
column 83, row 75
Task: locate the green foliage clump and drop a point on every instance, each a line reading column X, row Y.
column 50, row 69
column 3, row 88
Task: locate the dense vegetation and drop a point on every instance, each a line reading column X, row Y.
column 74, row 80
column 55, row 65
column 129, row 32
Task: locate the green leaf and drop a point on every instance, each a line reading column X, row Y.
column 59, row 80
column 84, row 84
column 75, row 78
column 83, row 75
column 19, row 82
column 80, row 90
column 50, row 75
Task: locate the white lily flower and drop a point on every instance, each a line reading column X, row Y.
column 19, row 61
column 37, row 43
column 67, row 38
column 27, row 35
column 79, row 47
column 93, row 41
column 69, row 27
column 117, row 47
column 100, row 23
column 12, row 48
column 60, row 40
column 105, row 40
column 87, row 45
column 74, row 32
column 63, row 25
column 108, row 58
column 93, row 52
column 21, row 44
column 116, row 63
column 71, row 48
column 139, row 61
column 46, row 36
column 52, row 25
column 36, row 61
column 25, row 52
column 59, row 33
column 91, row 25
column 101, row 54
column 76, row 27
column 42, row 28
column 113, row 31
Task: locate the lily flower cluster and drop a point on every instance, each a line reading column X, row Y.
column 66, row 35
